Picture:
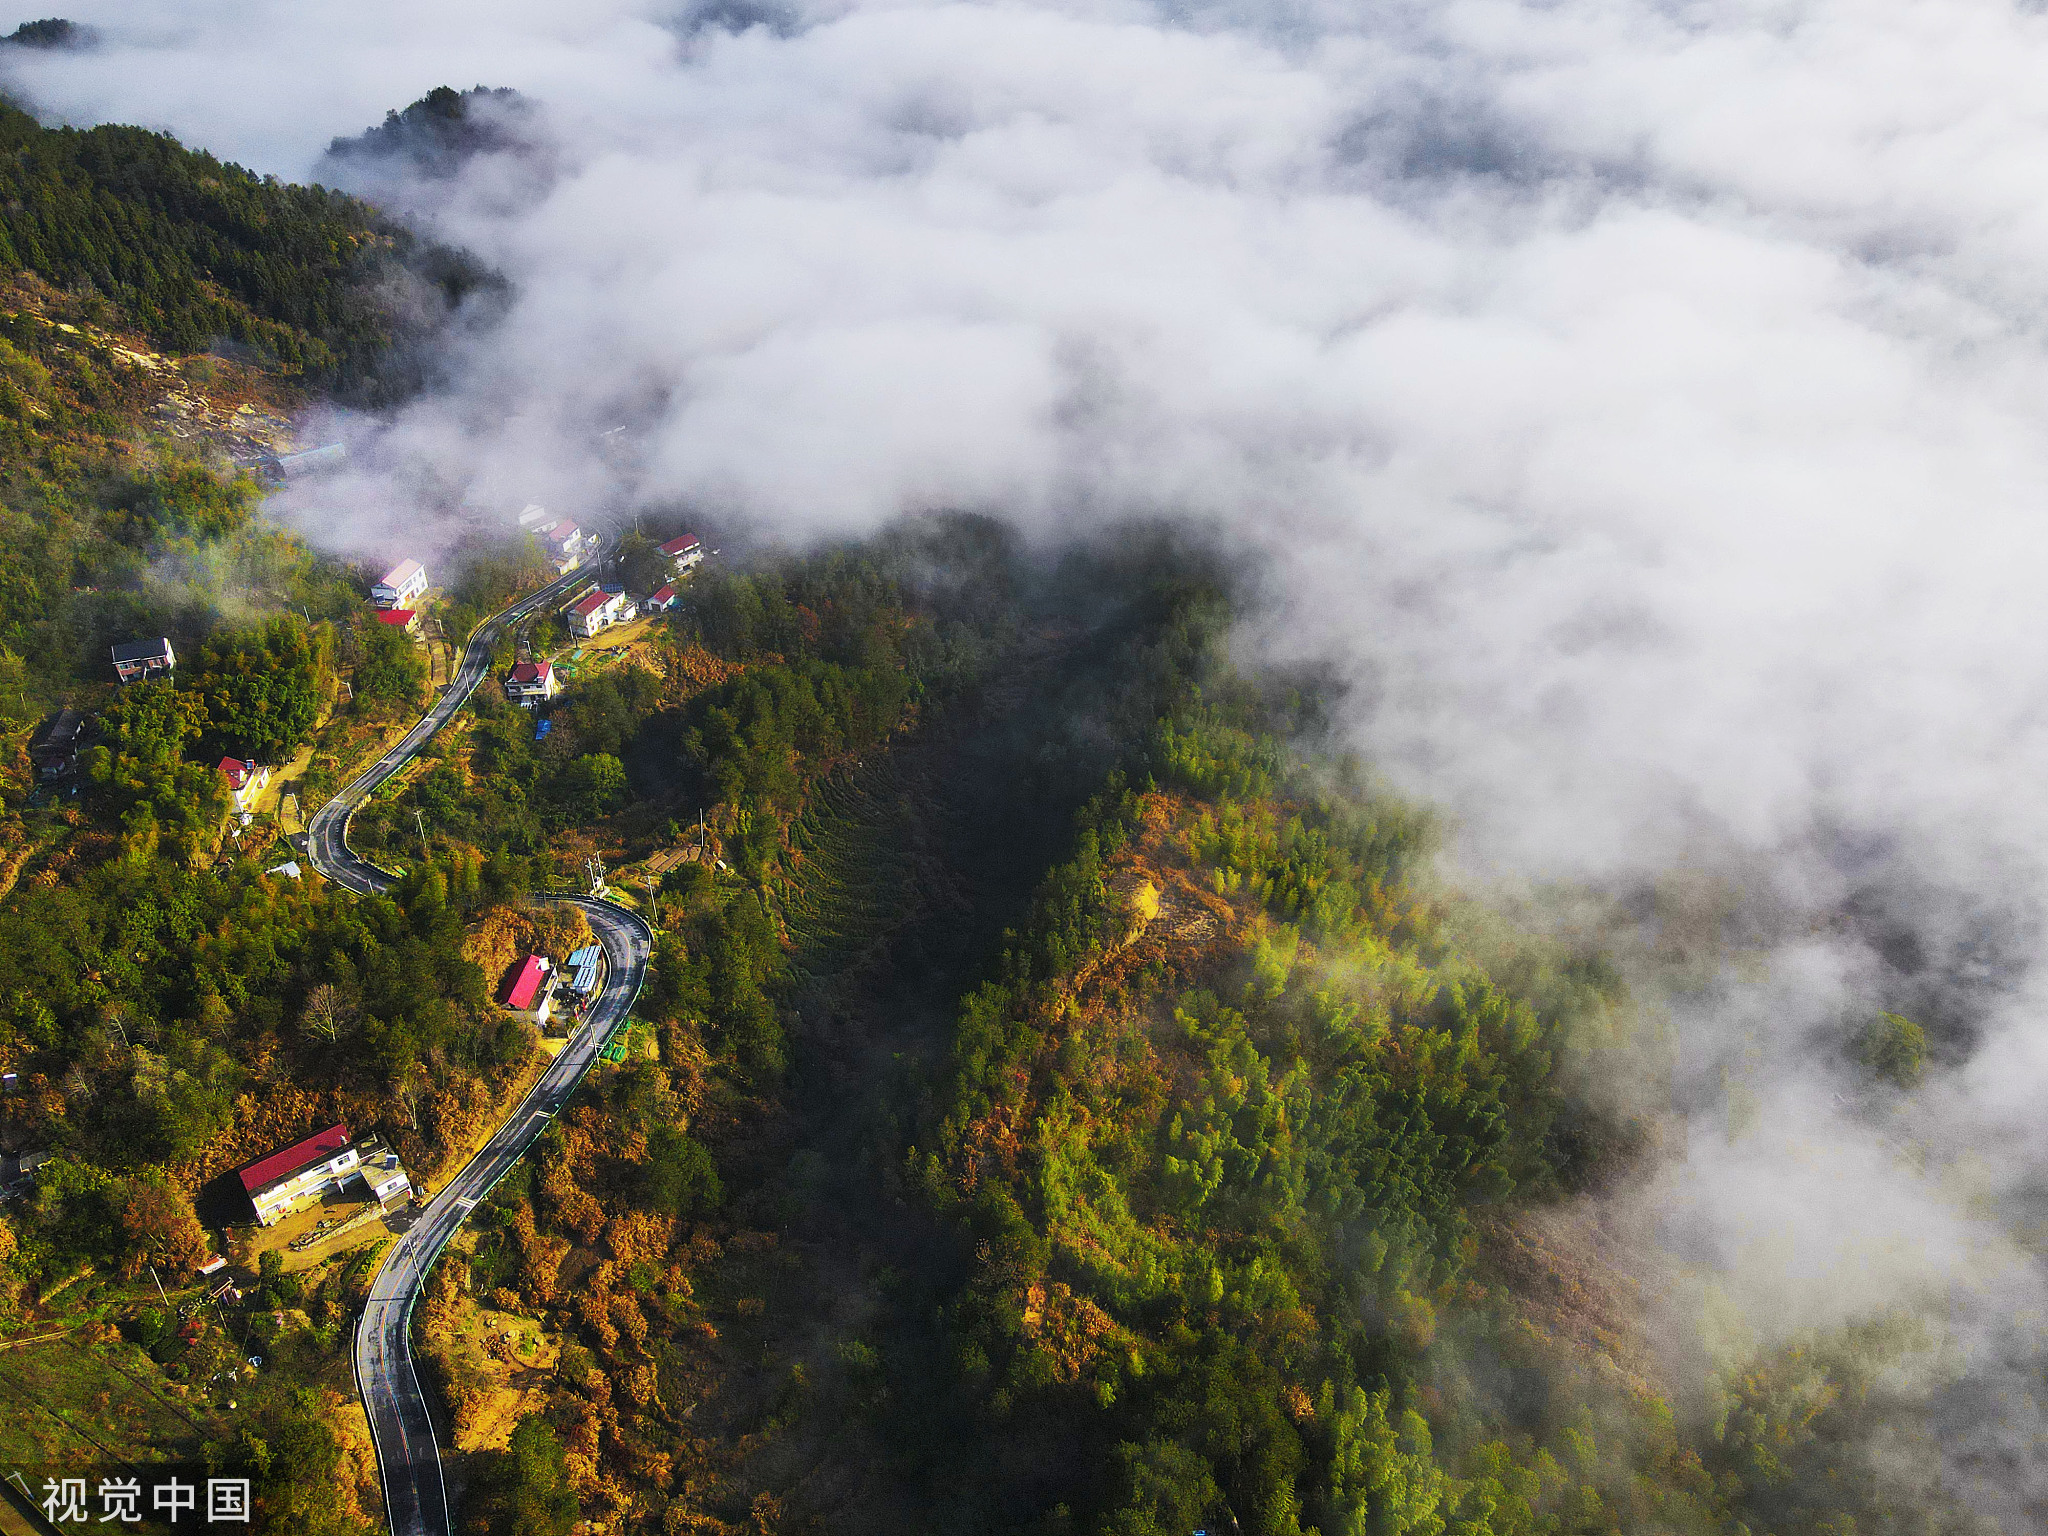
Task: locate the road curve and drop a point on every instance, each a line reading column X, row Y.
column 415, row 1494
column 409, row 1460
column 327, row 833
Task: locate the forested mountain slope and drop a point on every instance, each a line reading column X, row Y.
column 163, row 319
column 194, row 252
column 1067, row 1110
column 1062, row 1101
column 438, row 134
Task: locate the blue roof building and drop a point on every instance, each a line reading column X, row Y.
column 583, row 966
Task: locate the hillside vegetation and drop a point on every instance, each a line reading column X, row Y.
column 1066, row 1111
column 167, row 1008
column 195, row 251
column 1061, row 1101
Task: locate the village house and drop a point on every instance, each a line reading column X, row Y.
column 141, row 659
column 291, row 1176
column 326, row 1162
column 533, row 989
column 662, row 600
column 682, row 553
column 18, row 1172
column 246, row 778
column 379, row 1169
column 564, row 545
column 402, row 585
column 590, row 615
column 407, row 619
column 55, row 749
column 531, row 682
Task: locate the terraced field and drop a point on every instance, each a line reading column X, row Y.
column 853, row 882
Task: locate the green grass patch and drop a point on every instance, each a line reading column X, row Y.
column 101, row 1404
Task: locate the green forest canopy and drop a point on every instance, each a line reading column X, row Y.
column 1150, row 1239
column 194, row 250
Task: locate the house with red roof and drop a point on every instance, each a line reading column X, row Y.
column 324, row 1163
column 662, row 600
column 532, row 990
column 305, row 1170
column 590, row 615
column 532, row 682
column 407, row 619
column 246, row 778
column 682, row 553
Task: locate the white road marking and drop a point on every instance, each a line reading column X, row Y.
column 405, row 1482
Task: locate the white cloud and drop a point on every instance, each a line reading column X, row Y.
column 1648, row 397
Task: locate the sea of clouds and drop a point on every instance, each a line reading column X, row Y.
column 1642, row 401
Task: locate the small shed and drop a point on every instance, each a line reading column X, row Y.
column 583, row 967
column 294, row 466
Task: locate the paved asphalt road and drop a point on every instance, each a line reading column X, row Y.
column 415, row 1497
column 415, row 1494
column 327, row 833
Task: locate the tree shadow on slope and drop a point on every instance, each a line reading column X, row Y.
column 912, row 866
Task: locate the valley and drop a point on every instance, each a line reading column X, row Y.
column 925, row 1029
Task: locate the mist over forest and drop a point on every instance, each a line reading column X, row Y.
column 1619, row 422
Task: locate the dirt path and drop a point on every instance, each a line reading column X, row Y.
column 34, row 1338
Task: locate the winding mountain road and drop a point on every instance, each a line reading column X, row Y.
column 327, row 833
column 415, row 1495
column 408, row 1457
